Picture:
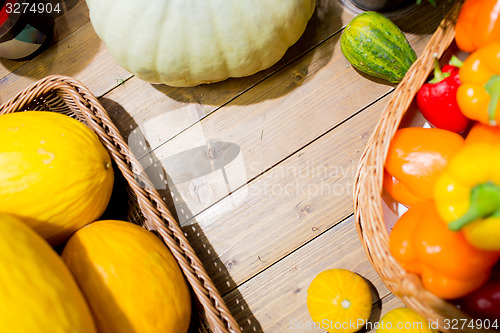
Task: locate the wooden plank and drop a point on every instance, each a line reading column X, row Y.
column 74, row 14
column 275, row 300
column 82, row 55
column 263, row 126
column 284, row 208
column 137, row 101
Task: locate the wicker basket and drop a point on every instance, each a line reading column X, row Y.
column 145, row 207
column 368, row 206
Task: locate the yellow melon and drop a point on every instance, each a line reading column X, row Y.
column 55, row 174
column 129, row 278
column 37, row 292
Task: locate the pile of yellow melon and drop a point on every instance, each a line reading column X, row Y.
column 56, row 180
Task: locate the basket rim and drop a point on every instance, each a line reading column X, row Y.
column 367, row 193
column 158, row 218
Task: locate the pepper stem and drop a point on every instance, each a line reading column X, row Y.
column 454, row 61
column 493, row 89
column 484, row 201
column 438, row 73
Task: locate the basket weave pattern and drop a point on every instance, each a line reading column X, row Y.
column 69, row 96
column 368, row 187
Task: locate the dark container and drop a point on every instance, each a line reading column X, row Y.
column 381, row 5
column 26, row 28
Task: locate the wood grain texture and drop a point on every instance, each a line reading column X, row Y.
column 285, row 207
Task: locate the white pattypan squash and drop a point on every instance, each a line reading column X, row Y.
column 188, row 42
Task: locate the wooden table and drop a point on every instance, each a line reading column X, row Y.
column 259, row 169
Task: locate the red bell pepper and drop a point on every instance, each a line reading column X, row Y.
column 484, row 303
column 437, row 100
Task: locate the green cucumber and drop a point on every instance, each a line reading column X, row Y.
column 373, row 44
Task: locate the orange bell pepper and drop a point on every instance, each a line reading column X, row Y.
column 447, row 264
column 480, row 133
column 478, row 24
column 415, row 158
column 479, row 93
column 398, row 191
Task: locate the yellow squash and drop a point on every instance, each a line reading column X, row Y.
column 404, row 320
column 339, row 300
column 37, row 292
column 55, row 174
column 129, row 278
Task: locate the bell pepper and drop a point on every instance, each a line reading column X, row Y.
column 467, row 193
column 478, row 24
column 415, row 158
column 484, row 303
column 398, row 191
column 480, row 133
column 447, row 264
column 479, row 93
column 437, row 99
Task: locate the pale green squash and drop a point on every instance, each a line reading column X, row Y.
column 189, row 42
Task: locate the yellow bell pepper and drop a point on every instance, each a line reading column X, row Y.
column 467, row 193
column 479, row 93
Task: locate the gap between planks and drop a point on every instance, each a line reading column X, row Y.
column 217, row 228
column 255, row 305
